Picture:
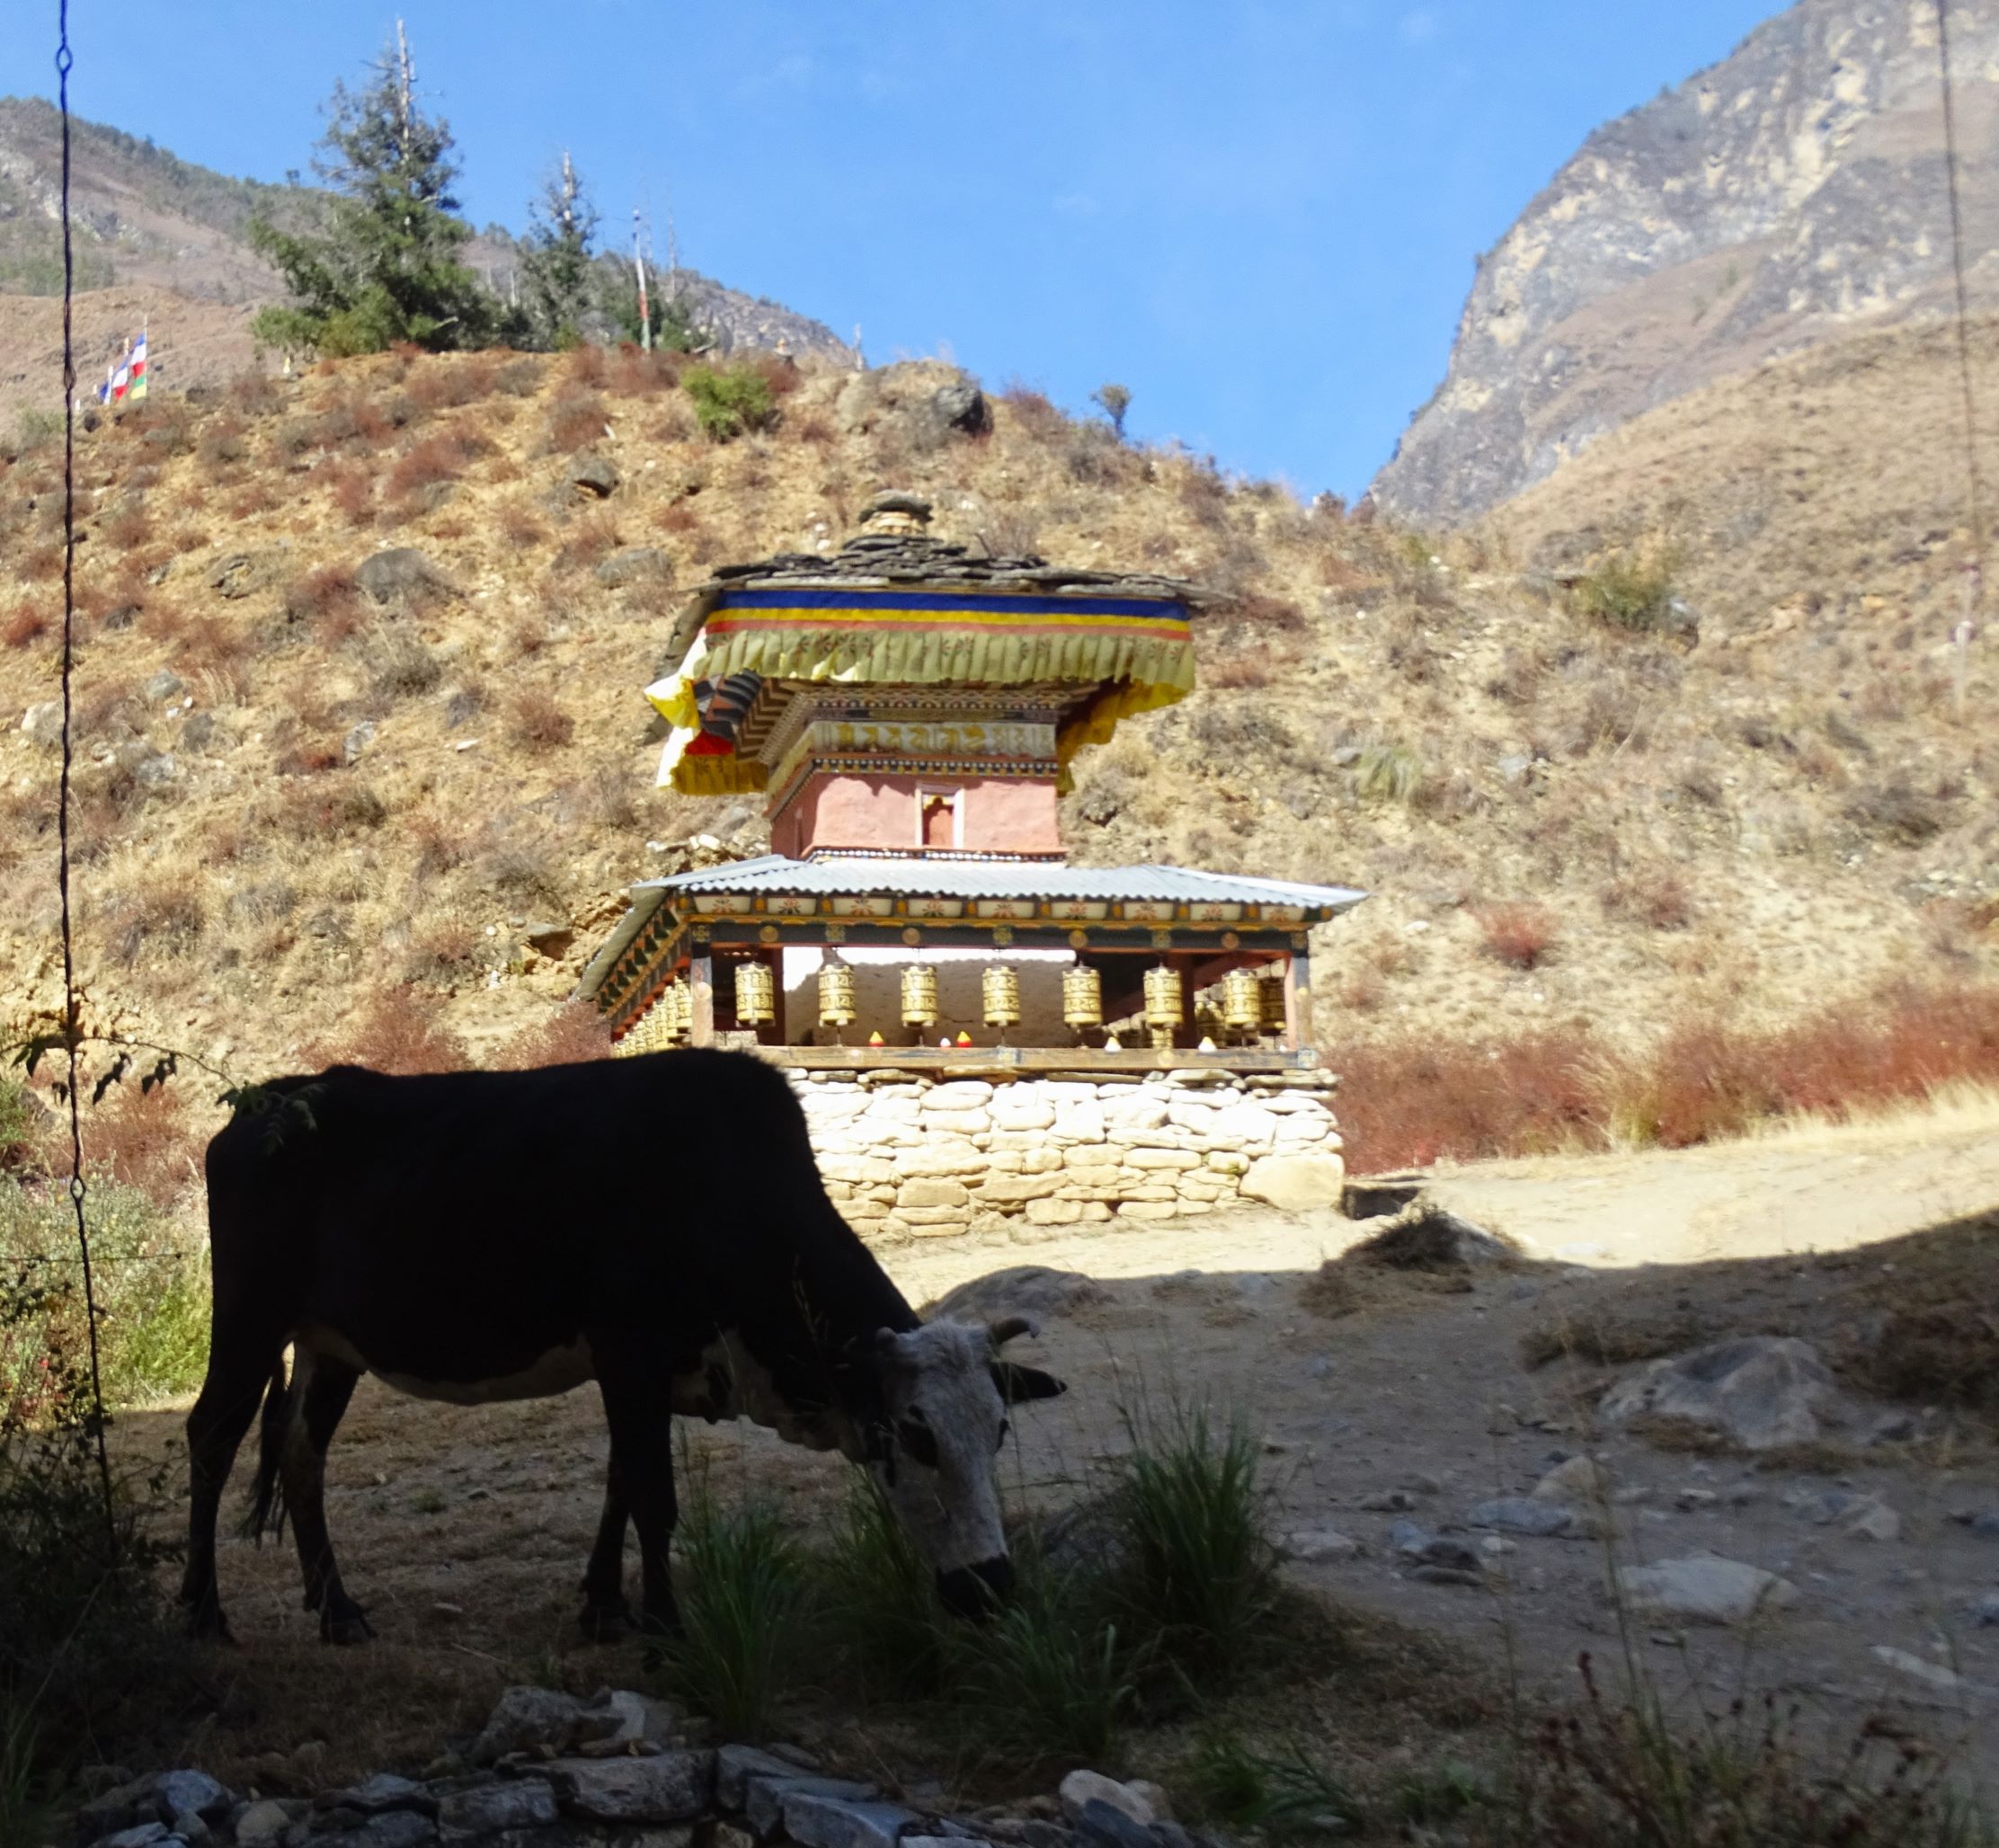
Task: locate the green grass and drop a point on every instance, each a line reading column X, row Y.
column 1282, row 1794
column 1387, row 773
column 1628, row 593
column 152, row 1287
column 880, row 1602
column 1196, row 1573
column 745, row 1618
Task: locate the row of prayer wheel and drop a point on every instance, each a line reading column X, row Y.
column 1251, row 1003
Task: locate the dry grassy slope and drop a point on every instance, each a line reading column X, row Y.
column 1697, row 824
column 1832, row 484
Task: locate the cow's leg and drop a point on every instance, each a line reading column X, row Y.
column 320, row 1388
column 638, row 1409
column 240, row 1366
column 606, row 1614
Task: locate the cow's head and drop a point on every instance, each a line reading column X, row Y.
column 935, row 1423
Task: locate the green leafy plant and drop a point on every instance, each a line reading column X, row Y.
column 1282, row 1794
column 728, row 403
column 881, row 1602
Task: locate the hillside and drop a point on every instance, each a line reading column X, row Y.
column 1784, row 200
column 306, row 814
column 164, row 240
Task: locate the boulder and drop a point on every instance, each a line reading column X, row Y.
column 961, row 407
column 735, row 1765
column 635, row 564
column 1518, row 1513
column 524, row 1719
column 42, row 723
column 1703, row 1589
column 1760, row 1391
column 520, row 1803
column 1106, row 1826
column 1579, row 1476
column 1312, row 1544
column 263, row 1821
column 401, row 571
column 376, row 1795
column 670, row 1787
column 1295, row 1183
column 817, row 1821
column 162, row 687
column 593, row 476
column 764, row 1797
column 1080, row 1789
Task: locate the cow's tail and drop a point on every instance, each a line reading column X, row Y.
column 266, row 1512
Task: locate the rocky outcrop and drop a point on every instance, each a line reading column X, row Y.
column 1789, row 194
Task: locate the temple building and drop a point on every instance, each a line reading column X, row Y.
column 908, row 712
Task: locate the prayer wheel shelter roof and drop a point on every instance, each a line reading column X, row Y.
column 895, row 608
column 774, row 900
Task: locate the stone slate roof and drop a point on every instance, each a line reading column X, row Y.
column 915, row 558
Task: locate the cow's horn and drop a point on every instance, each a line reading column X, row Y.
column 1007, row 1327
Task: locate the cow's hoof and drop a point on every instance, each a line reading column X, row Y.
column 344, row 1621
column 605, row 1623
column 207, row 1624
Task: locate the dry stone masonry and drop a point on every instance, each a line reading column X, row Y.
column 906, row 1155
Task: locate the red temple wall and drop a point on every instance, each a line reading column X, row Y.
column 992, row 814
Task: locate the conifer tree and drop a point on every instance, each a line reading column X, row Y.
column 386, row 267
column 555, row 266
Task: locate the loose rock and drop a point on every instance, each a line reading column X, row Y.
column 671, row 1787
column 1516, row 1513
column 1704, row 1588
column 837, row 1822
column 1761, row 1391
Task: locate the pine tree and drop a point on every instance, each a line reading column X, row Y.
column 555, row 266
column 385, row 267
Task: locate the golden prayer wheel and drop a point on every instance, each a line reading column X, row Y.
column 756, row 994
column 1083, row 997
column 919, row 995
column 999, row 987
column 1241, row 1000
column 680, row 1026
column 1272, row 1001
column 836, row 995
column 1165, row 997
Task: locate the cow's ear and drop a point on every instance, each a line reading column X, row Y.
column 1017, row 1385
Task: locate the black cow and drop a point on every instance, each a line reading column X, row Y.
column 657, row 1224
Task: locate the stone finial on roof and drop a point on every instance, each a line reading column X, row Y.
column 895, row 513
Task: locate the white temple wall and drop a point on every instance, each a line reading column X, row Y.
column 905, row 1156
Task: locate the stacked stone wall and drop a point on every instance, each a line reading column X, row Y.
column 906, row 1155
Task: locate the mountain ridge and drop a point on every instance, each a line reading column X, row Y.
column 1790, row 195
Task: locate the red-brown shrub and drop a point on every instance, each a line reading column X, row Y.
column 520, row 526
column 256, row 498
column 588, row 368
column 395, row 1030
column 1517, row 935
column 353, row 495
column 815, row 430
column 1032, row 411
column 1406, row 1103
column 676, row 516
column 779, row 371
column 328, row 599
column 146, row 1139
column 537, row 722
column 437, row 383
column 126, row 527
column 443, row 948
column 1660, row 900
column 590, row 540
column 441, row 456
column 575, row 421
column 26, row 625
column 574, row 1034
column 632, row 372
column 42, row 562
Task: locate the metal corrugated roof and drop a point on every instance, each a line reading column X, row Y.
column 858, row 876
column 845, row 878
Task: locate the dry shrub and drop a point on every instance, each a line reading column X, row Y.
column 575, row 421
column 1660, row 899
column 437, row 845
column 521, row 526
column 1237, row 672
column 573, row 1035
column 162, row 919
column 328, row 600
column 26, row 625
column 1519, row 935
column 254, row 394
column 439, row 457
column 676, row 516
column 1032, row 411
column 41, row 562
column 588, row 368
column 127, row 527
column 395, row 1030
column 629, row 371
column 354, row 425
column 326, row 808
column 438, row 384
column 1406, row 1103
column 352, row 492
column 257, row 498
column 779, row 371
column 308, row 758
column 815, row 430
column 143, row 1138
column 443, row 948
column 536, row 721
column 1263, row 614
column 591, row 539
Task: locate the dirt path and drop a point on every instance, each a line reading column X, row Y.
column 464, row 1531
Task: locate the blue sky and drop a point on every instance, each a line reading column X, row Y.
column 1261, row 218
